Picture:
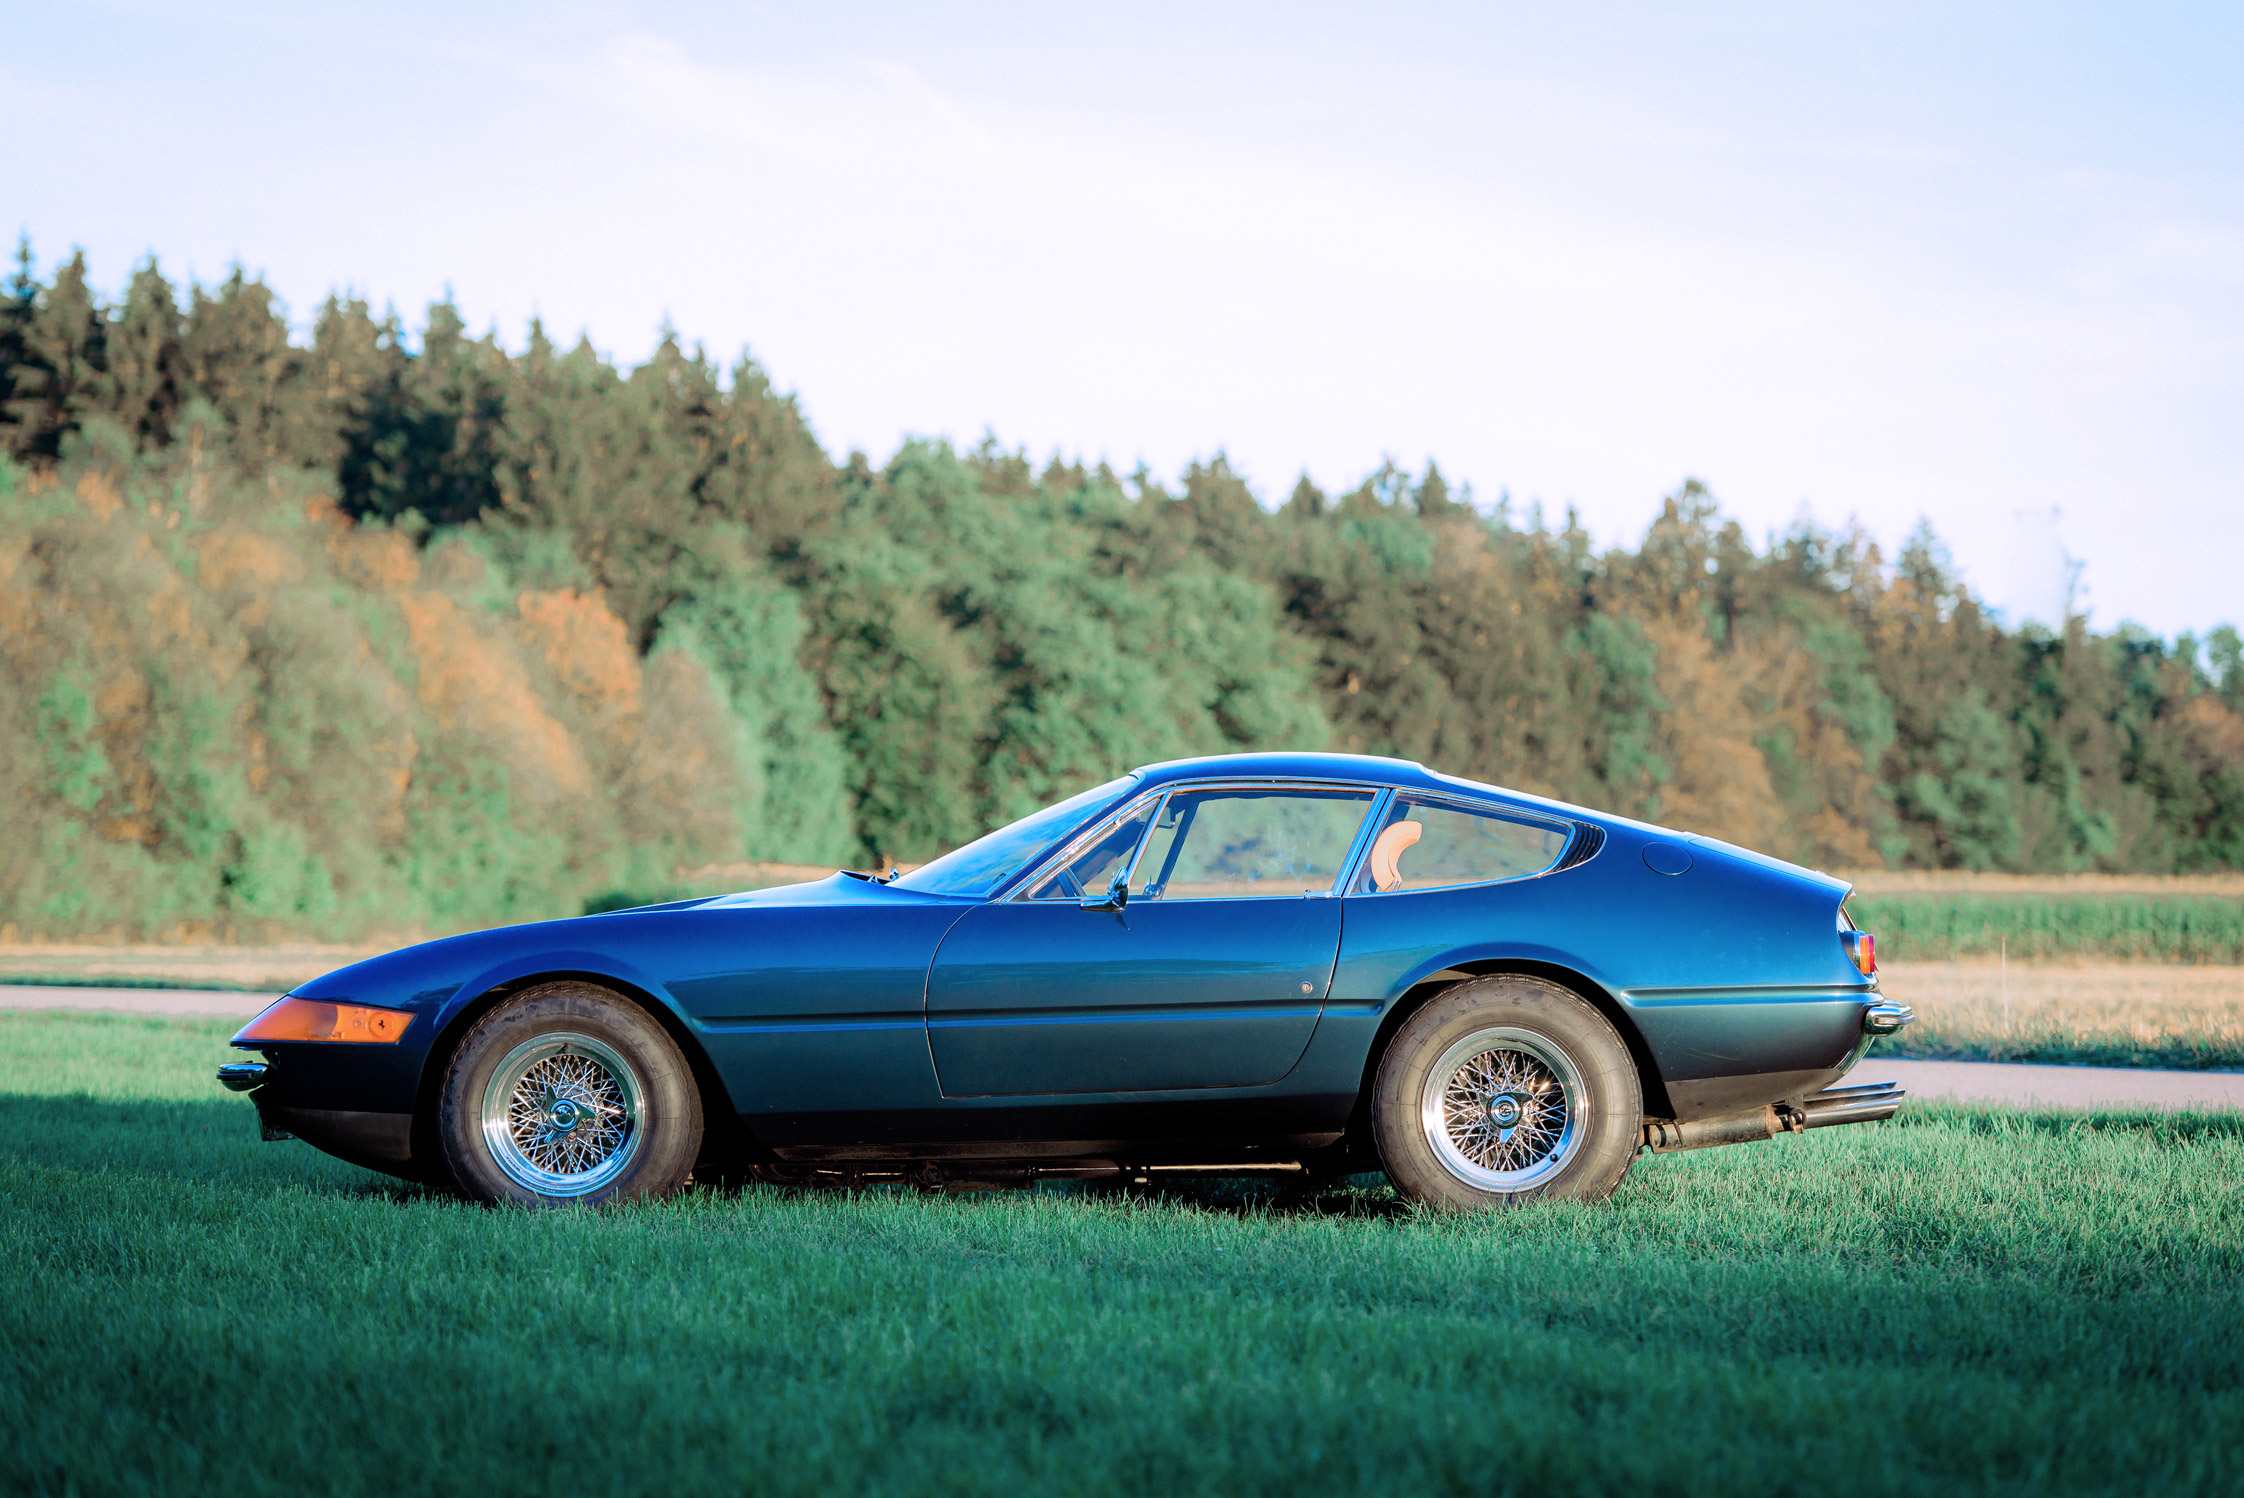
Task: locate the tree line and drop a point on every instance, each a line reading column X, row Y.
column 375, row 629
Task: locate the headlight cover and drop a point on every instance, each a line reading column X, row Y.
column 330, row 1020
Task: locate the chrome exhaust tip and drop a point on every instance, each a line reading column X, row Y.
column 1845, row 1105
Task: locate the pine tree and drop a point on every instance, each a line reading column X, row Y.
column 62, row 355
column 237, row 356
column 143, row 382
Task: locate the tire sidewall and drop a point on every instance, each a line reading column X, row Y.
column 670, row 1123
column 1611, row 1093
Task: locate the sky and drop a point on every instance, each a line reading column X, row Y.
column 1982, row 266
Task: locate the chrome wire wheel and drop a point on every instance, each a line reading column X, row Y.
column 1502, row 1109
column 563, row 1115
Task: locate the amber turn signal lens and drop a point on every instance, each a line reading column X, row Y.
column 312, row 1019
column 1863, row 948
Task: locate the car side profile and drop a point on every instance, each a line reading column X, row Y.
column 1295, row 964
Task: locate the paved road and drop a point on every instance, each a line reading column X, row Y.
column 1962, row 1081
column 179, row 1003
column 2057, row 1086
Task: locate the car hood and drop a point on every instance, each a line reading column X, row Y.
column 427, row 974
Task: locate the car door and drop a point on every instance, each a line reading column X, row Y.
column 1213, row 973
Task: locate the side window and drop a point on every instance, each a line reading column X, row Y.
column 1241, row 844
column 1436, row 845
column 1093, row 869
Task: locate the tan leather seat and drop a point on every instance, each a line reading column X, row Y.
column 1387, row 849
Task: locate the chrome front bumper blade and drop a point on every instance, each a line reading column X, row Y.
column 241, row 1076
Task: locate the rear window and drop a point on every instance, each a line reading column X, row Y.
column 1430, row 844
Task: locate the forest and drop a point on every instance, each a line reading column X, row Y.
column 373, row 629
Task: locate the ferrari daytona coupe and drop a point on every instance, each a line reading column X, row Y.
column 1295, row 964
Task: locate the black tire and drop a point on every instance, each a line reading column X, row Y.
column 610, row 1100
column 1512, row 1049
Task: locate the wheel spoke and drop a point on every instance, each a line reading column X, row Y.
column 561, row 1119
column 1504, row 1110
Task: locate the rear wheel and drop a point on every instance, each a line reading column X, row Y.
column 569, row 1093
column 1506, row 1089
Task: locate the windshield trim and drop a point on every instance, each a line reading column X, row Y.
column 1034, row 873
column 999, row 888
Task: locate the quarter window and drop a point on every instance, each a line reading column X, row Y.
column 1435, row 845
column 1248, row 844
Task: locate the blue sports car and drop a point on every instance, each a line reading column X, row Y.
column 1296, row 964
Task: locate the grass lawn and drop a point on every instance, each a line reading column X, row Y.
column 1954, row 1301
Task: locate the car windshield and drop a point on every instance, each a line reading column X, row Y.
column 983, row 864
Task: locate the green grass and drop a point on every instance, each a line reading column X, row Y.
column 1953, row 1302
column 1938, row 925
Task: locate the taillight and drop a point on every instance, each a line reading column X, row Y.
column 1862, row 950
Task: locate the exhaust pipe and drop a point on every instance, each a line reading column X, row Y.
column 1822, row 1110
column 1846, row 1105
column 1664, row 1136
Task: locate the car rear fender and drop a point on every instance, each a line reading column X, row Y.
column 1650, row 1084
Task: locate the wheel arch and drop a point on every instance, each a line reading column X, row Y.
column 1650, row 1084
column 723, row 1136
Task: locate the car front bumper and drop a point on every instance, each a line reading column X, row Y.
column 296, row 1090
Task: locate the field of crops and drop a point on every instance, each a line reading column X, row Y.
column 2189, row 1016
column 1952, row 1302
column 1940, row 924
column 1940, row 916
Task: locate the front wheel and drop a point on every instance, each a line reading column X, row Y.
column 568, row 1093
column 1506, row 1089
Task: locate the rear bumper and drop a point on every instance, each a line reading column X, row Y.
column 1828, row 1108
column 1882, row 1018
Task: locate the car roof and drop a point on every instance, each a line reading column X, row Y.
column 1410, row 774
column 1376, row 769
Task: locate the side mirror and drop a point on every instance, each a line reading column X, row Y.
column 1114, row 897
